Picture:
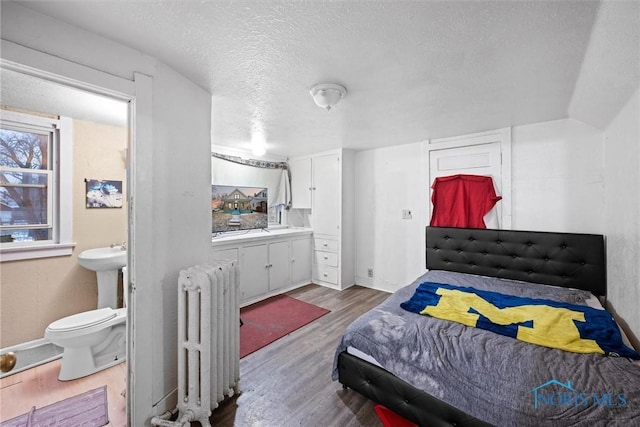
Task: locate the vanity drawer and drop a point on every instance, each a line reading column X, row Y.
column 325, row 245
column 326, row 258
column 325, row 273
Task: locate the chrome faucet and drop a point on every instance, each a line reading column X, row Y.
column 123, row 245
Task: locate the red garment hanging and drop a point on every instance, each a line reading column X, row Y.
column 462, row 200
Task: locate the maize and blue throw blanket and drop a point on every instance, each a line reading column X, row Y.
column 561, row 325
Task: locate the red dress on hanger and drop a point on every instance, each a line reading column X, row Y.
column 462, row 200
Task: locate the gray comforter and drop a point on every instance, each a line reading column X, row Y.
column 496, row 378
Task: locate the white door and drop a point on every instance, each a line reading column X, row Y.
column 301, row 261
column 326, row 194
column 482, row 159
column 254, row 273
column 300, row 183
column 279, row 265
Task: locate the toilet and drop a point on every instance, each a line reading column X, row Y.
column 93, row 340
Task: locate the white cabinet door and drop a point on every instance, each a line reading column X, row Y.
column 254, row 273
column 326, row 194
column 300, row 183
column 279, row 268
column 300, row 261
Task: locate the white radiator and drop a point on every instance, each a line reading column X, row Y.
column 208, row 341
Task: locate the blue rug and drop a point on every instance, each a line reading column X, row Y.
column 87, row 410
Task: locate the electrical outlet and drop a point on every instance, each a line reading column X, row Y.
column 370, row 272
column 406, row 214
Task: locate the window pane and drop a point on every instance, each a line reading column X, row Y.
column 23, row 198
column 25, row 181
column 25, row 235
column 24, row 149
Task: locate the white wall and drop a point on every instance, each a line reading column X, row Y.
column 173, row 180
column 557, row 185
column 388, row 180
column 180, row 208
column 557, row 177
column 622, row 212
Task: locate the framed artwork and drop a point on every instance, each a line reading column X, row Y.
column 103, row 194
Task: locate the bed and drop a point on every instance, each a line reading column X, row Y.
column 435, row 372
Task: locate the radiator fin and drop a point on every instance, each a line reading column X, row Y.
column 208, row 338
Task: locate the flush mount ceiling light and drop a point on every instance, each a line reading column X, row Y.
column 326, row 95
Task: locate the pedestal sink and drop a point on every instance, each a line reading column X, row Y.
column 106, row 262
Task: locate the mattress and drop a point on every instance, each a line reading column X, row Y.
column 495, row 378
column 592, row 301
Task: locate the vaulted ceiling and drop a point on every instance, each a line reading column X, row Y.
column 414, row 70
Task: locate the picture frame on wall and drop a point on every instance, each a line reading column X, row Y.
column 103, row 193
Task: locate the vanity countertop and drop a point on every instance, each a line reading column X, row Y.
column 249, row 235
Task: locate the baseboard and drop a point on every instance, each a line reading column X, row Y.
column 368, row 282
column 32, row 360
column 168, row 403
column 26, row 345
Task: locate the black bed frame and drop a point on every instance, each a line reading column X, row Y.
column 561, row 259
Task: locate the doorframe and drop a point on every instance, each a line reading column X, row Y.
column 502, row 136
column 138, row 94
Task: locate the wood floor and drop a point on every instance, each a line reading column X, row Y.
column 288, row 383
column 40, row 387
column 285, row 384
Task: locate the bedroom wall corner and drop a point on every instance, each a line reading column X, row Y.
column 388, row 181
column 622, row 213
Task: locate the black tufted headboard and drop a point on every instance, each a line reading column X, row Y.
column 569, row 260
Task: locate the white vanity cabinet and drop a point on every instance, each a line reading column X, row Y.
column 301, row 260
column 279, row 265
column 270, row 263
column 323, row 186
column 301, row 185
column 254, row 271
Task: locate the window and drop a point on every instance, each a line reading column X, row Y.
column 35, row 213
column 25, row 185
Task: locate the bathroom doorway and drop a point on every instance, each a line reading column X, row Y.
column 45, row 283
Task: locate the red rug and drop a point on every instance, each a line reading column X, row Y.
column 273, row 318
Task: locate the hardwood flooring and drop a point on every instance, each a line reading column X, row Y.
column 288, row 383
column 40, row 387
column 285, row 384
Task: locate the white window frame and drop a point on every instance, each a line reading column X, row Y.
column 62, row 188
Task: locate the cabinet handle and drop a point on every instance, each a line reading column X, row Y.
column 310, row 188
column 325, row 244
column 313, row 188
column 266, row 266
column 326, row 257
column 325, row 274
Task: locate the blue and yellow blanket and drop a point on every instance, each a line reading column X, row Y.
column 565, row 326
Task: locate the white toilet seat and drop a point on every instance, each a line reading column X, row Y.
column 82, row 320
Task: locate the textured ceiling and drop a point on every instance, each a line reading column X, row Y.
column 414, row 70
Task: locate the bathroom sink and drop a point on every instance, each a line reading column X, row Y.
column 103, row 259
